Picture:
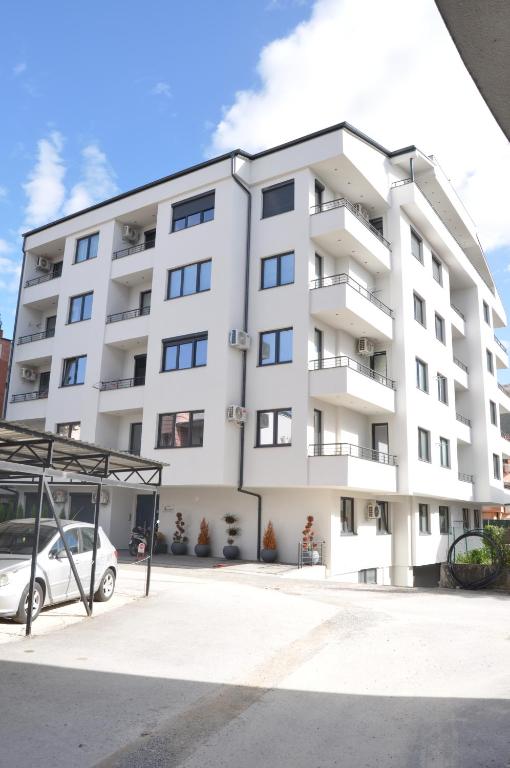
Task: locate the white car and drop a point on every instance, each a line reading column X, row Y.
column 55, row 582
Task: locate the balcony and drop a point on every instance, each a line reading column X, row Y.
column 466, row 478
column 133, row 249
column 24, row 397
column 128, row 314
column 343, row 381
column 42, row 291
column 121, row 396
column 501, row 353
column 341, row 302
column 504, row 398
column 463, row 428
column 35, row 348
column 458, row 321
column 128, row 328
column 28, row 406
column 138, row 381
column 352, row 466
column 340, row 228
column 460, row 373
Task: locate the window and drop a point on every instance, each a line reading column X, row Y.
column 419, row 310
column 87, row 540
column 57, row 269
column 278, row 199
column 145, row 302
column 319, row 269
column 317, row 426
column 74, row 371
column 195, row 210
column 444, row 519
column 486, row 313
column 346, row 516
column 422, row 375
column 277, row 270
column 318, row 338
column 367, row 576
column 44, row 383
column 193, row 278
column 423, row 513
column 437, row 270
column 423, row 444
column 50, row 326
column 476, row 518
column 149, row 238
column 496, row 466
column 383, row 522
column 86, row 248
column 319, row 195
column 442, row 388
column 465, row 518
column 440, row 329
column 490, row 361
column 70, row 429
column 135, row 438
column 444, row 452
column 80, row 308
column 416, row 246
column 275, row 347
column 274, row 428
column 184, row 352
column 181, row 430
column 494, row 413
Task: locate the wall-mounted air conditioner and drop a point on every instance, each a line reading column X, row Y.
column 237, row 413
column 130, row 234
column 104, row 498
column 28, row 374
column 43, row 265
column 239, row 339
column 373, row 510
column 59, row 496
column 365, row 347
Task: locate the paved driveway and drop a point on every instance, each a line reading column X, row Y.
column 230, row 667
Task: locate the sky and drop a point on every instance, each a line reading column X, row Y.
column 99, row 102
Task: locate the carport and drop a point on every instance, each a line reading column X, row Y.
column 41, row 459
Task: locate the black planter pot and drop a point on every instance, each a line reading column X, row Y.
column 179, row 548
column 269, row 555
column 231, row 552
column 202, row 550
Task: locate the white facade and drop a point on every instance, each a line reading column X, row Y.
column 366, row 290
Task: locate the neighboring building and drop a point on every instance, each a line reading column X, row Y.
column 5, row 352
column 371, row 373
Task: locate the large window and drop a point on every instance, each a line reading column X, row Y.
column 490, row 361
column 193, row 278
column 423, row 444
column 465, row 518
column 416, row 246
column 277, row 270
column 496, row 466
column 442, row 388
column 423, row 512
column 440, row 329
column 80, row 308
column 274, row 427
column 444, row 452
column 419, row 310
column 74, row 371
column 494, row 413
column 275, row 347
column 278, row 199
column 437, row 270
column 69, row 429
column 195, row 210
column 476, row 518
column 181, row 430
column 444, row 520
column 383, row 522
column 422, row 375
column 185, row 352
column 86, row 248
column 346, row 516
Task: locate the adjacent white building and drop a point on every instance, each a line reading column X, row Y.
column 371, row 371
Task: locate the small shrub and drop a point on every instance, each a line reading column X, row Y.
column 484, row 555
column 233, row 530
column 309, row 534
column 203, row 536
column 180, row 527
column 269, row 538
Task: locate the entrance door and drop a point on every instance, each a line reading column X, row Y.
column 139, row 370
column 82, row 507
column 135, row 438
column 145, row 302
column 380, row 438
column 50, row 326
column 144, row 504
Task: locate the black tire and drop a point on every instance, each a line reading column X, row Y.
column 21, row 616
column 133, row 550
column 107, row 586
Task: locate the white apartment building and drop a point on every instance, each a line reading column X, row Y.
column 371, row 371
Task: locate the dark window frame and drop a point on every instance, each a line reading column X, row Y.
column 442, row 378
column 439, row 320
column 415, row 234
column 422, row 365
column 417, row 299
column 132, row 428
column 383, row 522
column 87, row 238
column 318, row 426
column 493, row 410
column 69, row 425
column 424, row 516
column 277, row 361
column 66, row 364
column 347, row 517
column 80, row 296
column 272, row 188
column 182, row 295
column 178, row 341
column 490, row 361
column 275, row 443
column 486, row 313
column 496, row 466
column 444, row 520
column 465, row 518
column 476, row 518
column 200, row 211
column 444, row 442
column 439, row 269
column 426, row 432
column 191, row 414
column 278, row 257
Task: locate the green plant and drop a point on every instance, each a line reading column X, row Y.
column 233, row 530
column 269, row 538
column 484, row 555
column 180, row 527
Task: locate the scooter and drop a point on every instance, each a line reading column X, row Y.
column 139, row 536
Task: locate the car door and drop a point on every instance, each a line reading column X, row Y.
column 57, row 570
column 82, row 560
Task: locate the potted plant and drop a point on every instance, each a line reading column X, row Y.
column 179, row 545
column 203, row 545
column 311, row 554
column 269, row 549
column 231, row 550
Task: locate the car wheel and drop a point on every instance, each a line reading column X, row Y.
column 37, row 604
column 107, row 587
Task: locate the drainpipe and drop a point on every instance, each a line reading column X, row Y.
column 240, row 484
column 14, row 335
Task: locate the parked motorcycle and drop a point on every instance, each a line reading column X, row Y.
column 140, row 536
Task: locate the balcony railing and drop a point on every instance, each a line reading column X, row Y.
column 342, row 202
column 326, row 282
column 463, row 419
column 29, row 396
column 37, row 336
column 502, row 388
column 500, row 344
column 138, row 381
column 356, row 451
column 466, row 478
column 133, row 249
column 128, row 315
column 347, row 362
column 457, row 310
column 42, row 279
column 460, row 364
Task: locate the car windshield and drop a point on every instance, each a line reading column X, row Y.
column 18, row 538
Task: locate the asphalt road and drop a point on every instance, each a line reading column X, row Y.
column 232, row 668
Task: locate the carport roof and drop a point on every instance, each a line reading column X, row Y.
column 25, row 452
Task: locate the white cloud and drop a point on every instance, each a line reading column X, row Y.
column 161, row 89
column 19, row 68
column 10, row 272
column 390, row 69
column 98, row 182
column 5, row 247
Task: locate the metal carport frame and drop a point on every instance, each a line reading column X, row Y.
column 29, row 457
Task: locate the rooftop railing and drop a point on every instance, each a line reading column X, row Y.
column 137, row 381
column 342, row 361
column 463, row 419
column 460, row 364
column 128, row 314
column 22, row 398
column 133, row 249
column 356, row 451
column 48, row 334
column 466, row 478
column 342, row 278
column 342, row 202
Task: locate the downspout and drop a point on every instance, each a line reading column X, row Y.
column 240, row 484
column 14, row 336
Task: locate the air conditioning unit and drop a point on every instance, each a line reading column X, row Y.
column 130, row 234
column 59, row 496
column 366, row 347
column 239, row 339
column 43, row 265
column 373, row 510
column 361, row 211
column 104, row 498
column 237, row 413
column 28, row 374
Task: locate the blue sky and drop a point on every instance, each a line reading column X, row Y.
column 103, row 96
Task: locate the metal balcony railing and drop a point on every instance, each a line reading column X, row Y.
column 466, row 478
column 463, row 419
column 49, row 334
column 41, row 279
column 460, row 364
column 138, row 381
column 342, row 278
column 22, row 398
column 356, row 451
column 128, row 314
column 457, row 310
column 500, row 344
column 342, row 202
column 502, row 388
column 342, row 361
column 133, row 249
